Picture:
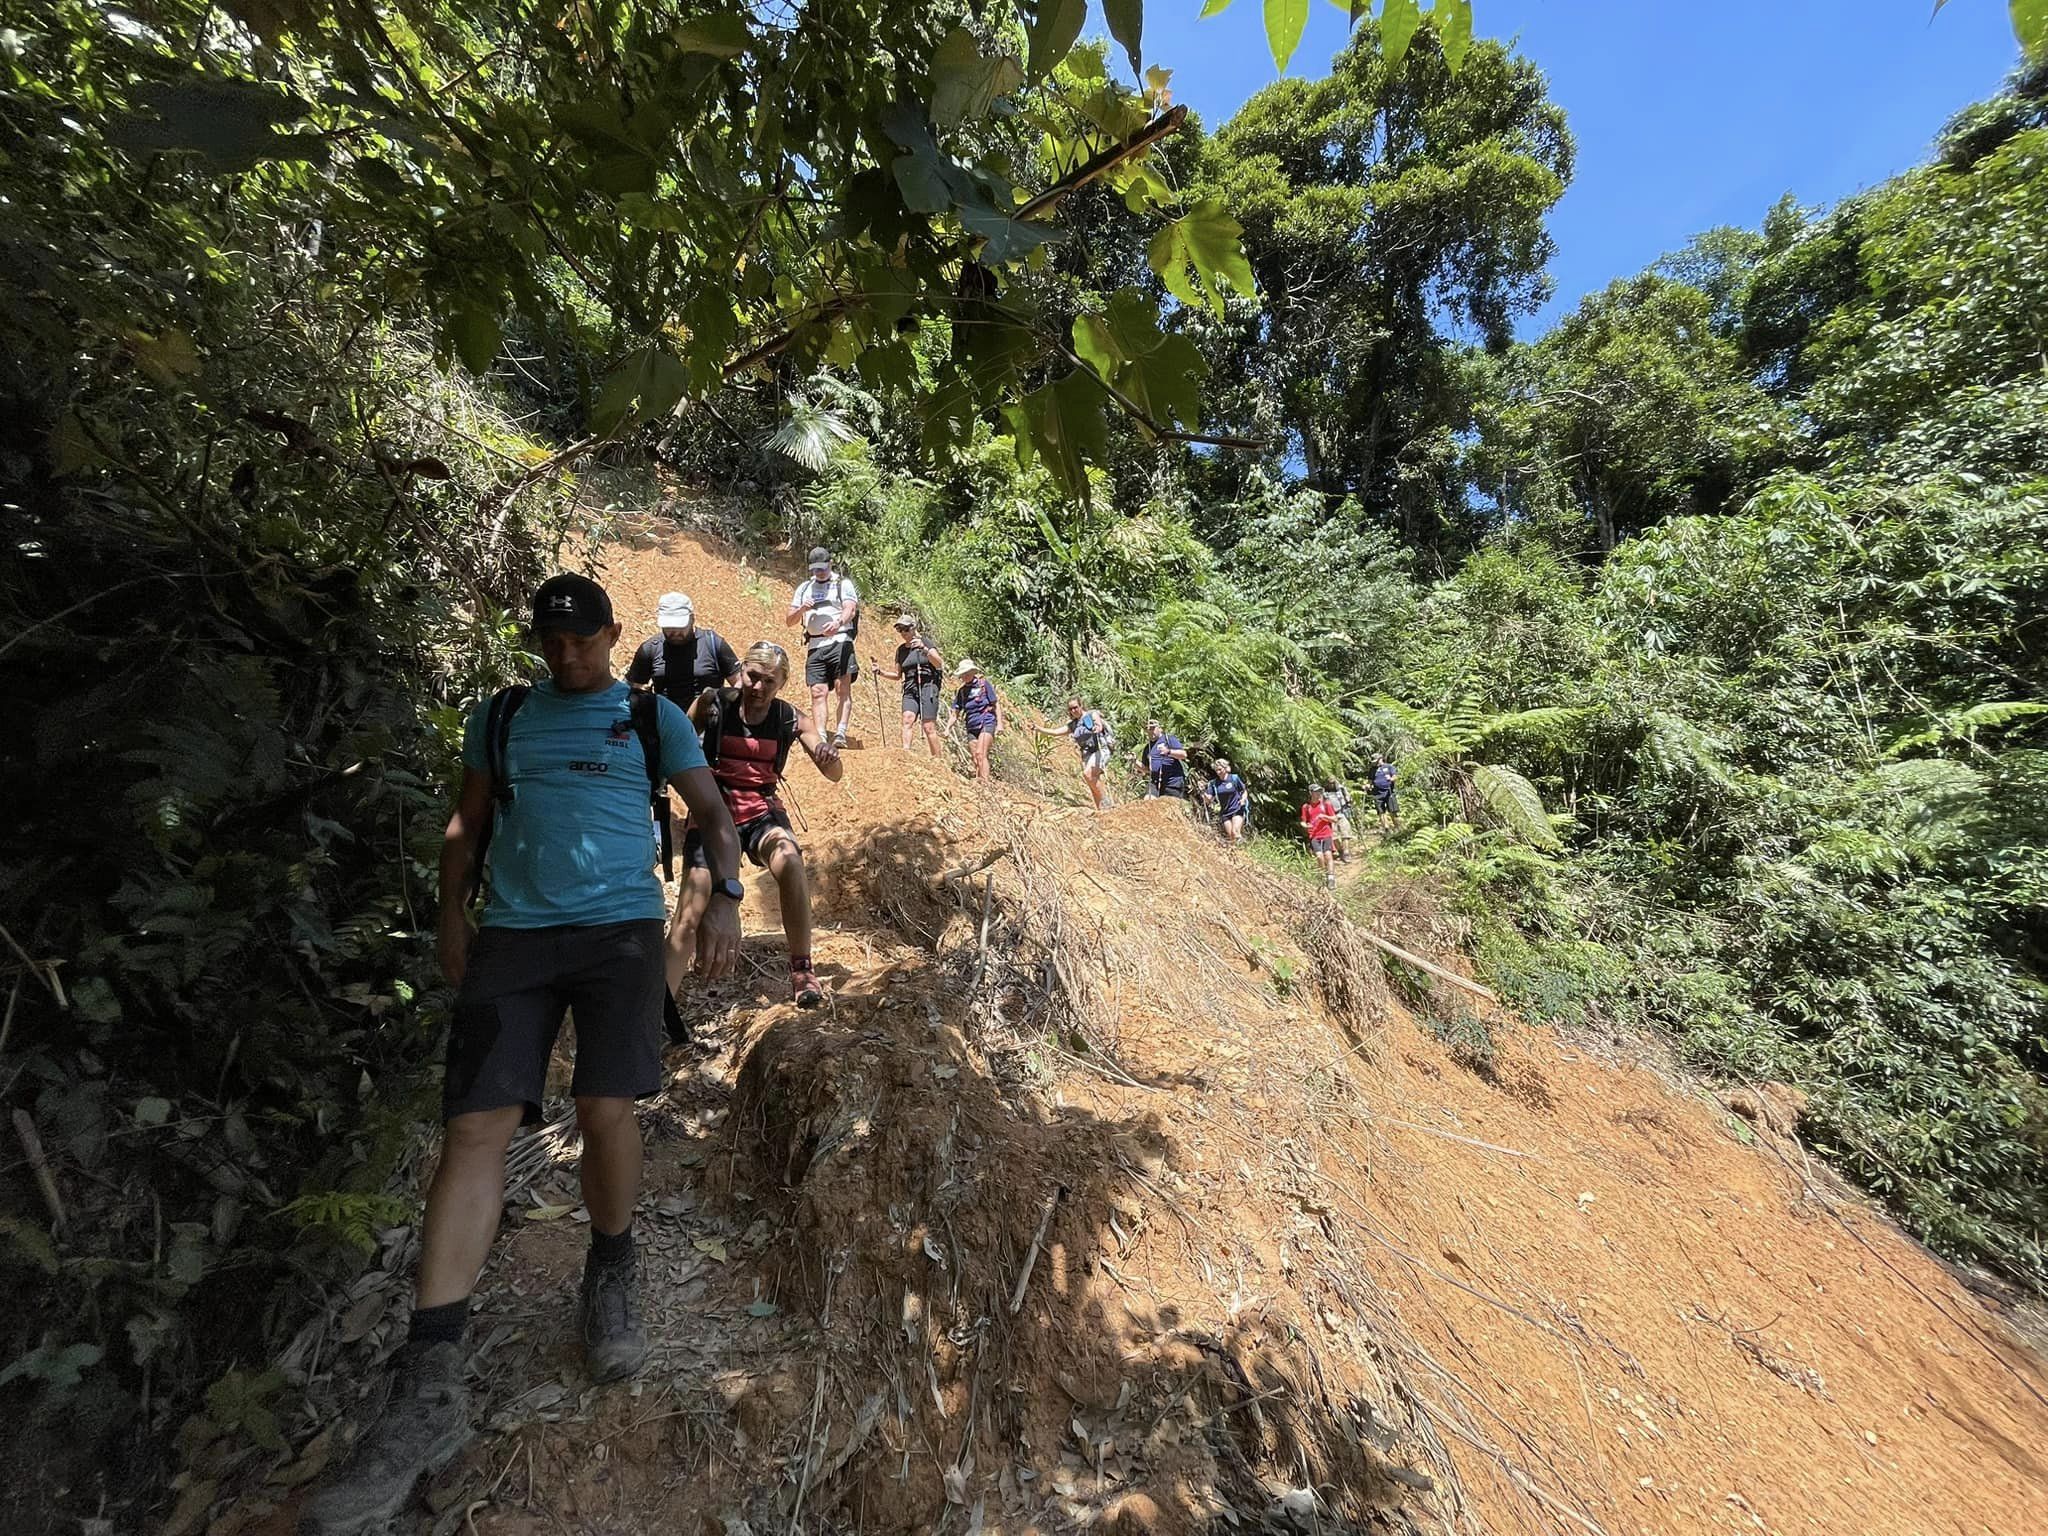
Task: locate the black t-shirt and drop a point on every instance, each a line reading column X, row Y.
column 915, row 663
column 681, row 670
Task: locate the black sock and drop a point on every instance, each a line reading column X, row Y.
column 438, row 1325
column 611, row 1247
column 799, row 962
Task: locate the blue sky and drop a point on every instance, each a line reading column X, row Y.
column 1687, row 115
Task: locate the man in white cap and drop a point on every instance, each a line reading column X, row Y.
column 683, row 660
column 828, row 607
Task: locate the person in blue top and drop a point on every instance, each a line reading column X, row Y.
column 1165, row 760
column 1384, row 797
column 1232, row 798
column 977, row 706
column 1094, row 737
column 559, row 774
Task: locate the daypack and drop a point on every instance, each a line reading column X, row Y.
column 505, row 703
column 713, row 732
column 1102, row 738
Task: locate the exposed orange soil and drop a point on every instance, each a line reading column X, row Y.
column 1298, row 1244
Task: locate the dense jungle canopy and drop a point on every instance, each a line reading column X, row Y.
column 1710, row 628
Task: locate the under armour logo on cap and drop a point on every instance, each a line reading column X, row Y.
column 574, row 603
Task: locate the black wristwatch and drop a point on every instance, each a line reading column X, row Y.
column 729, row 888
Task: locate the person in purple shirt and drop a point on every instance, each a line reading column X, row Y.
column 978, row 708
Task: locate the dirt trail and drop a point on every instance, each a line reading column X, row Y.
column 1157, row 1206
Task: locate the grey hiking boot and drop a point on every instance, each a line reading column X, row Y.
column 425, row 1424
column 614, row 1339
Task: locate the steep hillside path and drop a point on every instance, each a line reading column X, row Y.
column 930, row 1259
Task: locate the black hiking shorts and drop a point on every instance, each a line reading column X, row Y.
column 921, row 699
column 825, row 665
column 519, row 984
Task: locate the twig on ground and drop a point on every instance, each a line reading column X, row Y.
column 1467, row 1141
column 32, row 1144
column 1052, row 1202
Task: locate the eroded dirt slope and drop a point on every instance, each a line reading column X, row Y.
column 1153, row 1208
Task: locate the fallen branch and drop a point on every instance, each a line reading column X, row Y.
column 32, row 1144
column 1467, row 1141
column 988, row 891
column 1052, row 1202
column 1434, row 969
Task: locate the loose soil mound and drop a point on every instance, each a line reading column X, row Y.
column 1113, row 1186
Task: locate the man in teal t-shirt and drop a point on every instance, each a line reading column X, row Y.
column 573, row 923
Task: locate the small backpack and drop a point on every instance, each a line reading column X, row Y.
column 505, row 703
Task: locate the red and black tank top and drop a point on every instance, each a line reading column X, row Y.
column 745, row 767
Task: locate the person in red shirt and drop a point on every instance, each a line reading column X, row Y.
column 747, row 733
column 1319, row 821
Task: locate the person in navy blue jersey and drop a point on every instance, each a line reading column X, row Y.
column 979, row 711
column 1165, row 760
column 1231, row 797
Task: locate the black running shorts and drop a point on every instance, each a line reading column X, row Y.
column 521, row 981
column 752, row 835
column 921, row 700
column 826, row 664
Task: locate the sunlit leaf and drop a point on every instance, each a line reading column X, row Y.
column 1008, row 238
column 1453, row 20
column 1399, row 22
column 965, row 82
column 646, row 385
column 2030, row 26
column 1062, row 424
column 1285, row 20
column 1201, row 257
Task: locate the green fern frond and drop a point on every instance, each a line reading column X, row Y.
column 1964, row 724
column 1513, row 801
column 1678, row 749
column 1553, row 728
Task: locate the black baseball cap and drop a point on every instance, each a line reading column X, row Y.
column 571, row 602
column 820, row 556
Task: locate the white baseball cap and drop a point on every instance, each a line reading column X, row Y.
column 674, row 611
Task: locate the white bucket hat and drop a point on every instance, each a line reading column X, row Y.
column 674, row 611
column 966, row 666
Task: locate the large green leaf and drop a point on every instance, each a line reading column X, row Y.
column 1285, row 20
column 1008, row 238
column 475, row 334
column 1209, row 243
column 1514, row 802
column 723, row 37
column 1125, row 347
column 1453, row 20
column 1400, row 20
column 1062, row 424
column 1126, row 20
column 1051, row 34
column 2030, row 26
column 647, row 384
column 966, row 82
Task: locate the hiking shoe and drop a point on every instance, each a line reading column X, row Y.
column 804, row 990
column 425, row 1424
column 614, row 1339
column 839, row 741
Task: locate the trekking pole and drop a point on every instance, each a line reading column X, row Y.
column 881, row 720
column 796, row 810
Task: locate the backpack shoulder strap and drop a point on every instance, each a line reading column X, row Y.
column 713, row 734
column 505, row 703
column 785, row 734
column 645, row 709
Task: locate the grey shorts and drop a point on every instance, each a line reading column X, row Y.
column 509, row 1009
column 921, row 700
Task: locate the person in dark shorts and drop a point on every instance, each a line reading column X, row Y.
column 684, row 659
column 980, row 710
column 556, row 782
column 1339, row 800
column 1095, row 738
column 1231, row 797
column 747, row 733
column 1165, row 761
column 1319, row 825
column 1384, row 796
column 828, row 607
column 921, row 667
